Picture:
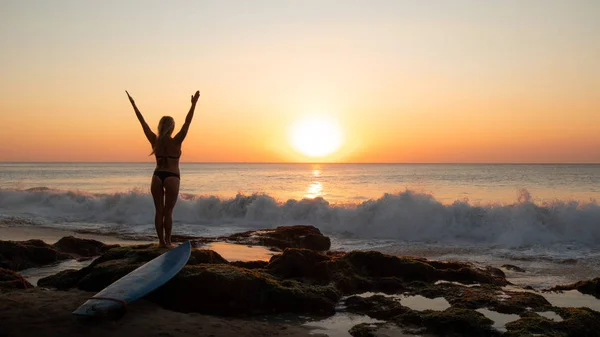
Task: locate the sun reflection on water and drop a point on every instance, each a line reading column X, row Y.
column 314, row 190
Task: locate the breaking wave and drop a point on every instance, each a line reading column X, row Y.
column 407, row 215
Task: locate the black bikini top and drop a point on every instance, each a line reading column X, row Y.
column 172, row 157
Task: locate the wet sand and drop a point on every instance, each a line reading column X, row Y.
column 45, row 313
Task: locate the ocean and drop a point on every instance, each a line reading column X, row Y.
column 542, row 217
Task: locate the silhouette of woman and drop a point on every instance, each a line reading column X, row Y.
column 165, row 180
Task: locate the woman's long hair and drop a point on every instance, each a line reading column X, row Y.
column 165, row 129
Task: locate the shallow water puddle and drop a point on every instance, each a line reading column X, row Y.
column 458, row 283
column 235, row 252
column 572, row 298
column 499, row 319
column 420, row 303
column 33, row 275
column 415, row 302
column 339, row 324
column 551, row 315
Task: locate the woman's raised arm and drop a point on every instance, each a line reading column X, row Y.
column 149, row 134
column 180, row 136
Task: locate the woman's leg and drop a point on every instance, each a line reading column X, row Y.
column 158, row 195
column 171, row 195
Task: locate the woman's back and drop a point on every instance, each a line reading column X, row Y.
column 167, row 154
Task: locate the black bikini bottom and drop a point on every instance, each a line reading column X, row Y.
column 162, row 175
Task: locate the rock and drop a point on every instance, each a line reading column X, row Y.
column 250, row 264
column 375, row 264
column 450, row 322
column 300, row 281
column 207, row 284
column 457, row 321
column 361, row 271
column 117, row 263
column 368, row 266
column 228, row 290
column 363, row 330
column 283, row 237
column 529, row 325
column 579, row 322
column 11, row 280
column 203, row 256
column 486, row 296
column 589, row 287
column 62, row 280
column 19, row 255
column 513, row 268
column 278, row 239
column 82, row 247
column 376, row 306
column 295, row 263
column 576, row 322
column 496, row 272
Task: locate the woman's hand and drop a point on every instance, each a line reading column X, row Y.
column 130, row 98
column 194, row 97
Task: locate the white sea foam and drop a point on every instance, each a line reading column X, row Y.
column 408, row 216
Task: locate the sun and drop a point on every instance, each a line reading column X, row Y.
column 316, row 137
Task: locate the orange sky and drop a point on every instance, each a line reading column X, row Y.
column 460, row 81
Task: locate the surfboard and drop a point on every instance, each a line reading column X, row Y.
column 137, row 283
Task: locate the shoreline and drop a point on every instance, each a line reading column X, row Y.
column 51, row 235
column 229, row 251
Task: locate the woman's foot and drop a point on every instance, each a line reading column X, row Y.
column 162, row 244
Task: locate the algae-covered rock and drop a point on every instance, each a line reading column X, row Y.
column 486, row 296
column 298, row 280
column 531, row 325
column 283, row 237
column 207, row 284
column 589, row 287
column 579, row 322
column 363, row 330
column 117, row 263
column 19, row 255
column 376, row 306
column 11, row 280
column 296, row 263
column 229, row 290
column 250, row 264
column 280, row 238
column 376, row 264
column 576, row 322
column 457, row 321
column 361, row 271
column 82, row 247
column 450, row 322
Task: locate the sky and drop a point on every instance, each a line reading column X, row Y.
column 407, row 81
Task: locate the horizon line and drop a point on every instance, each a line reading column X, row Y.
column 313, row 163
